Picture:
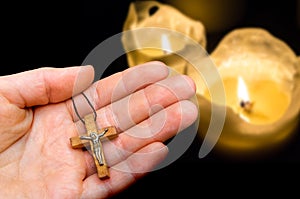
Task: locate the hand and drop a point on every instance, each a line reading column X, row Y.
column 37, row 119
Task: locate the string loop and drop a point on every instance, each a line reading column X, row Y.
column 90, row 104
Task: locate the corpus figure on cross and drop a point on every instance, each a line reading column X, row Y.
column 95, row 138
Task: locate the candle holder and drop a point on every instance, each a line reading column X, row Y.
column 149, row 14
column 269, row 70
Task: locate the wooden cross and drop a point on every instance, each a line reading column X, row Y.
column 93, row 139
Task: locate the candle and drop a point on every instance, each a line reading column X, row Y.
column 160, row 40
column 260, row 74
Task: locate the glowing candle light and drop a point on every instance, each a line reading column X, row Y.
column 158, row 45
column 260, row 74
column 243, row 96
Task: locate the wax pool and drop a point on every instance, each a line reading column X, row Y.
column 269, row 100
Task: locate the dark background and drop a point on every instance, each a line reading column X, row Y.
column 59, row 34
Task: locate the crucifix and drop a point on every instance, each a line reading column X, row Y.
column 92, row 139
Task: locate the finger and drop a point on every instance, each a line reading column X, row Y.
column 45, row 85
column 125, row 173
column 159, row 127
column 119, row 85
column 140, row 105
column 128, row 81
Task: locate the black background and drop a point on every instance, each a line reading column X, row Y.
column 59, row 34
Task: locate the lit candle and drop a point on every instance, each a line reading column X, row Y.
column 160, row 43
column 260, row 74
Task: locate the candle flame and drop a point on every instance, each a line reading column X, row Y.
column 165, row 44
column 242, row 91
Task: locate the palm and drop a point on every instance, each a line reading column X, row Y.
column 46, row 160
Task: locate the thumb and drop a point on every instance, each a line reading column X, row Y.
column 36, row 87
column 45, row 85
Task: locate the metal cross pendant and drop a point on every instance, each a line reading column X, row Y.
column 93, row 140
